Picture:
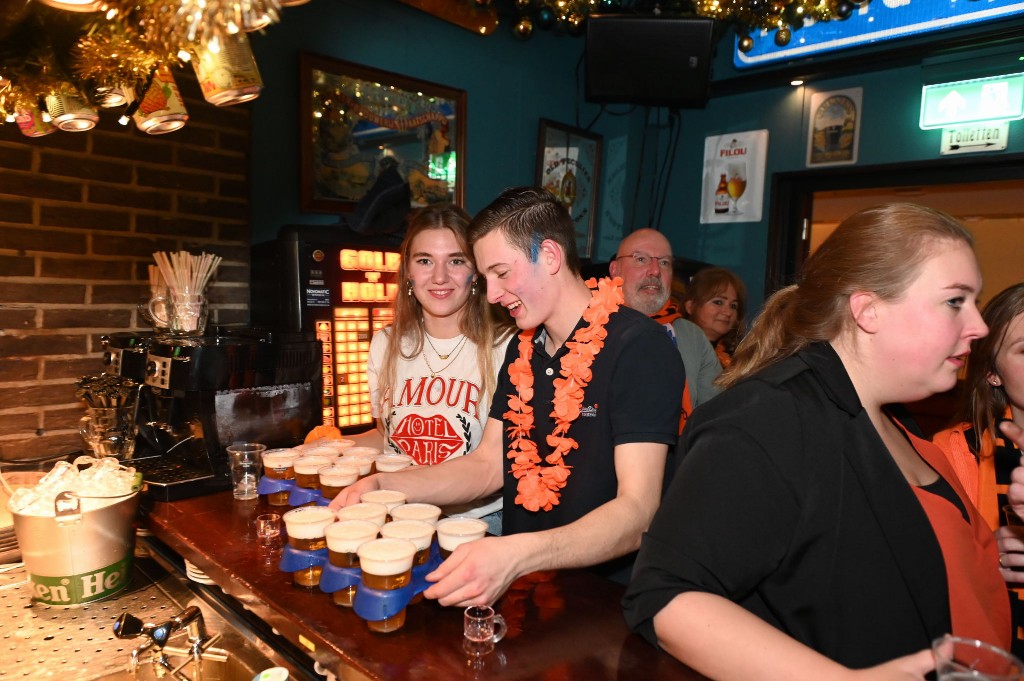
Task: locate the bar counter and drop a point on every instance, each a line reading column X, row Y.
column 562, row 625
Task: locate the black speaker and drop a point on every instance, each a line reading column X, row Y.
column 648, row 60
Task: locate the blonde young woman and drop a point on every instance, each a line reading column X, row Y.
column 432, row 372
column 809, row 533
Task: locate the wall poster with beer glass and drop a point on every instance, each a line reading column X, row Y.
column 734, row 168
column 833, row 131
column 569, row 167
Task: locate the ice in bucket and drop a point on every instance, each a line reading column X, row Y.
column 75, row 530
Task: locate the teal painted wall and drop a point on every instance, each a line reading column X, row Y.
column 889, row 135
column 511, row 85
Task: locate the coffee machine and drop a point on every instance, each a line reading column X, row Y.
column 200, row 394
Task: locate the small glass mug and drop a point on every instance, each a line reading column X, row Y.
column 481, row 629
column 108, row 431
column 183, row 314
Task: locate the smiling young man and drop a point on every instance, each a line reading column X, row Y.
column 586, row 406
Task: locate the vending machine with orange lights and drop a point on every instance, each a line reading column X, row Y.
column 339, row 285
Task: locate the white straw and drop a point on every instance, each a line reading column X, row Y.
column 184, row 272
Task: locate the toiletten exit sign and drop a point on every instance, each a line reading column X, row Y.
column 982, row 100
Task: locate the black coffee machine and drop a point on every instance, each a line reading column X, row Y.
column 200, row 394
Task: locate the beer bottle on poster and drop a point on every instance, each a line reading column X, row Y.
column 722, row 196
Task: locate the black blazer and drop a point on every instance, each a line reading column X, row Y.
column 788, row 503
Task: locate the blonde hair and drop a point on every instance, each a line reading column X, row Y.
column 478, row 319
column 878, row 249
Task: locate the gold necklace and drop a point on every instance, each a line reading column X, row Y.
column 444, row 357
column 455, row 351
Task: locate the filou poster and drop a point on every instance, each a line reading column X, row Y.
column 733, row 185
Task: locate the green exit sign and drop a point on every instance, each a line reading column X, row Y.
column 982, row 100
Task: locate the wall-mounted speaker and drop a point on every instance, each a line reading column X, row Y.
column 648, row 60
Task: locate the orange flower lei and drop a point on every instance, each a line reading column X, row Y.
column 538, row 485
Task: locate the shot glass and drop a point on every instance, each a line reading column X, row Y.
column 246, row 459
column 481, row 629
column 386, row 565
column 959, row 658
column 268, row 529
column 454, row 532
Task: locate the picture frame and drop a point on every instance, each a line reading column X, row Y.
column 833, row 129
column 569, row 167
column 359, row 125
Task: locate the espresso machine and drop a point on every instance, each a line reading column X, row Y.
column 200, row 394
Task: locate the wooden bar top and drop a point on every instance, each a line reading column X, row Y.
column 561, row 625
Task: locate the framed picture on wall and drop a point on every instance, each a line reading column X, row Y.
column 569, row 166
column 833, row 133
column 365, row 132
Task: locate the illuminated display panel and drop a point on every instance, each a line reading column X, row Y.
column 361, row 296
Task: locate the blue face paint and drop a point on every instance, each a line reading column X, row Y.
column 535, row 249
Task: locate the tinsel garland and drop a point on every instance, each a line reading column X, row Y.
column 111, row 59
column 749, row 16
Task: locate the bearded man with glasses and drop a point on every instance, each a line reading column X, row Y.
column 644, row 263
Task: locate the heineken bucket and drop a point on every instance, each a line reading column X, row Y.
column 78, row 556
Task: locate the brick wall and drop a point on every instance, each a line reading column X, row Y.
column 81, row 214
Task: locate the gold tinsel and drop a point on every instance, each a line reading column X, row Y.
column 769, row 15
column 112, row 59
column 173, row 25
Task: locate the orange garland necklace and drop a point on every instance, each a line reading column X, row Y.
column 538, row 485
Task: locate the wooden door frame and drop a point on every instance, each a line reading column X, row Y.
column 792, row 199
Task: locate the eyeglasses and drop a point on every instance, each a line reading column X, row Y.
column 643, row 260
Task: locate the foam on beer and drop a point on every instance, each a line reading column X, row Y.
column 308, row 522
column 338, row 475
column 389, row 463
column 454, row 532
column 326, row 445
column 375, row 513
column 385, row 557
column 371, row 452
column 416, row 511
column 346, row 536
column 417, row 531
column 280, row 458
column 389, row 497
column 365, row 463
column 310, row 464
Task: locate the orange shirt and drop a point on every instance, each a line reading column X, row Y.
column 978, row 603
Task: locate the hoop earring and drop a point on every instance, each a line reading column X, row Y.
column 408, row 288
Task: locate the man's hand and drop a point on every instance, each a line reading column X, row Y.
column 350, row 495
column 477, row 573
